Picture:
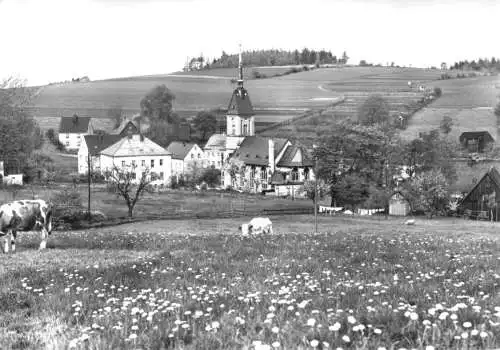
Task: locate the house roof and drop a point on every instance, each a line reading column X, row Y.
column 217, row 142
column 295, row 156
column 180, row 149
column 125, row 126
column 476, row 134
column 492, row 173
column 254, row 150
column 136, row 145
column 97, row 143
column 74, row 125
column 240, row 103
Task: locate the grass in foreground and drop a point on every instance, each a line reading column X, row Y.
column 196, row 284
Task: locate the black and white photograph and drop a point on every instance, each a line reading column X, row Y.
column 249, row 175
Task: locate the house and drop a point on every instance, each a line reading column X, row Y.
column 72, row 129
column 12, row 177
column 187, row 158
column 268, row 164
column 140, row 153
column 398, row 204
column 482, row 201
column 219, row 147
column 125, row 128
column 476, row 141
column 93, row 145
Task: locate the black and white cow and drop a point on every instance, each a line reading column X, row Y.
column 25, row 215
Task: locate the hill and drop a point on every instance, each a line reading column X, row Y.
column 291, row 95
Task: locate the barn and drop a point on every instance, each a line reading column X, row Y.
column 398, row 204
column 482, row 201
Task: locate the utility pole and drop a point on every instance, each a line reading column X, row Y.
column 89, row 179
column 315, row 191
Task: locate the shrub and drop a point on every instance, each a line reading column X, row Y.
column 437, row 91
column 51, row 135
column 211, row 177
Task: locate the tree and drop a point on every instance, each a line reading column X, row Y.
column 345, row 58
column 446, row 124
column 429, row 192
column 351, row 189
column 116, row 113
column 205, row 123
column 322, row 189
column 157, row 104
column 211, row 177
column 20, row 135
column 375, row 110
column 497, row 111
column 124, row 182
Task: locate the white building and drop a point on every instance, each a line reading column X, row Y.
column 73, row 129
column 93, row 145
column 139, row 153
column 187, row 158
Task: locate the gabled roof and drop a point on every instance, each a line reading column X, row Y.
column 136, row 145
column 254, row 150
column 476, row 134
column 125, row 126
column 74, row 125
column 295, row 156
column 180, row 149
column 492, row 173
column 240, row 103
column 97, row 143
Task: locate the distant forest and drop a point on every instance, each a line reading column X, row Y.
column 480, row 64
column 273, row 58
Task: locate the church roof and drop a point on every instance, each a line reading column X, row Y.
column 217, row 142
column 254, row 150
column 295, row 156
column 240, row 103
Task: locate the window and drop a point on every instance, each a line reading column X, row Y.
column 263, row 173
column 295, row 174
column 161, row 175
column 306, row 174
column 133, row 163
column 143, row 162
column 152, row 163
column 199, row 156
column 218, row 163
column 67, row 143
column 123, row 163
column 192, row 156
column 161, row 162
column 252, row 173
column 78, row 136
column 134, row 176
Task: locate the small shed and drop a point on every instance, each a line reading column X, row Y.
column 483, row 199
column 398, row 204
column 475, row 141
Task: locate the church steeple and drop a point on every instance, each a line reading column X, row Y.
column 239, row 119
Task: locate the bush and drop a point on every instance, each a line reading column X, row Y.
column 51, row 135
column 437, row 91
column 211, row 177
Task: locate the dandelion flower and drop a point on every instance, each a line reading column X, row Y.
column 276, row 344
column 336, row 326
column 311, row 322
column 346, row 338
column 429, row 347
column 377, row 331
column 483, row 334
column 132, row 336
column 314, row 343
column 275, row 330
column 474, row 332
column 464, row 335
column 413, row 316
column 467, row 325
column 351, row 320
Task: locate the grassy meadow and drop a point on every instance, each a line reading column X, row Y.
column 362, row 283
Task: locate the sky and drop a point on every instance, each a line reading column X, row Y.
column 56, row 40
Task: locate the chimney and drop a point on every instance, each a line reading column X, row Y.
column 75, row 118
column 271, row 155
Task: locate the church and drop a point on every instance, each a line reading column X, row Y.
column 252, row 163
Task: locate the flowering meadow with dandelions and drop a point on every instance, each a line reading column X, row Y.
column 360, row 285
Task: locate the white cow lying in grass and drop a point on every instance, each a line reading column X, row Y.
column 257, row 226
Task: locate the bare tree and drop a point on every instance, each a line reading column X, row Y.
column 126, row 184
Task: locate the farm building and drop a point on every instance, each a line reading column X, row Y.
column 399, row 205
column 93, row 145
column 483, row 199
column 126, row 127
column 73, row 129
column 187, row 158
column 476, row 141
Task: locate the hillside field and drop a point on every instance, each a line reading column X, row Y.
column 362, row 283
column 290, row 94
column 469, row 102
